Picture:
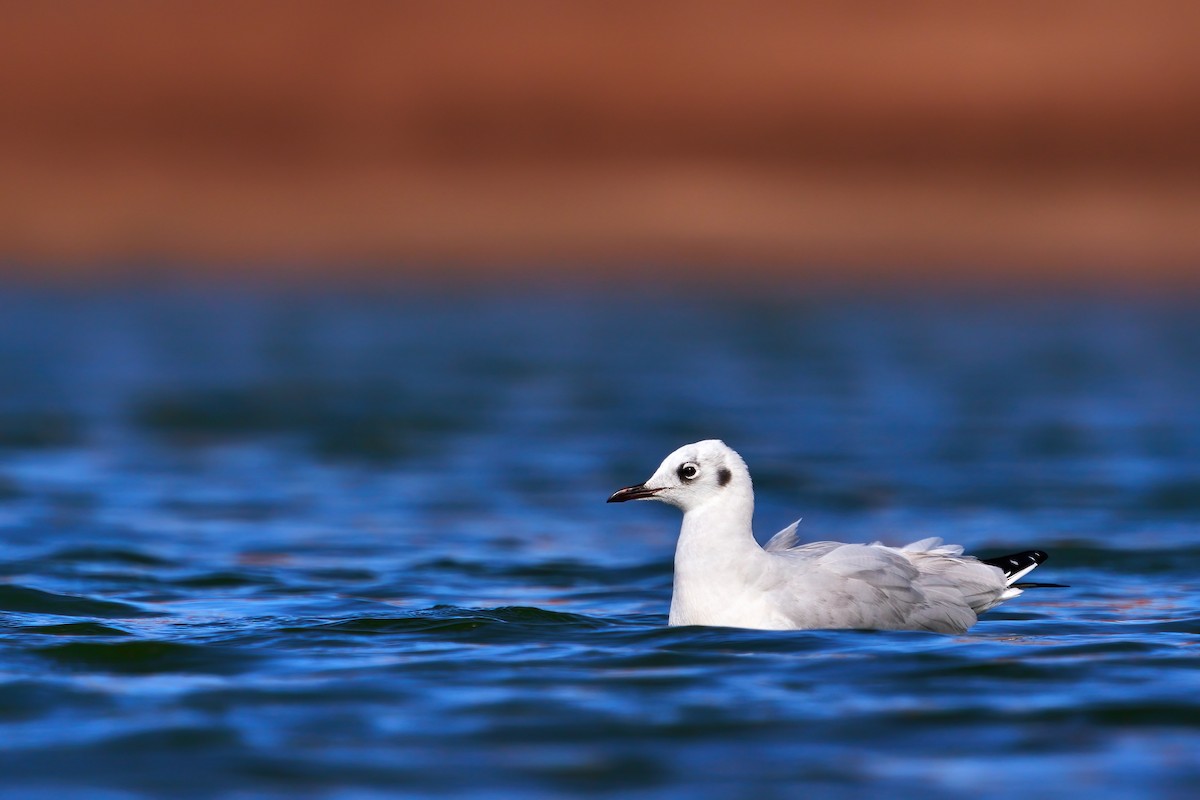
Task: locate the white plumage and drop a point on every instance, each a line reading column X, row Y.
column 724, row 578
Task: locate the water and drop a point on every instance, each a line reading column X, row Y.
column 355, row 545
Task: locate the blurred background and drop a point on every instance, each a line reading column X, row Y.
column 800, row 141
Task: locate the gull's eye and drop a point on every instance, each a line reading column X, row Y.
column 688, row 471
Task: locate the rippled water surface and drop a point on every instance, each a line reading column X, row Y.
column 310, row 544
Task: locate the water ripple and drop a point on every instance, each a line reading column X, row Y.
column 283, row 545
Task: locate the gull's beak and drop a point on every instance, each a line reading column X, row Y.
column 639, row 492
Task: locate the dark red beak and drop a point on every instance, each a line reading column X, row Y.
column 639, row 492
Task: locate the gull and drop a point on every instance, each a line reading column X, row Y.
column 723, row 577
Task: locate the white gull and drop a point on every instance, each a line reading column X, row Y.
column 723, row 577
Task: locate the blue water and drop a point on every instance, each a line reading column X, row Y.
column 312, row 543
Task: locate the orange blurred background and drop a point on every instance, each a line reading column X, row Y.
column 1043, row 140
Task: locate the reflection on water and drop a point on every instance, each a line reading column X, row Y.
column 354, row 545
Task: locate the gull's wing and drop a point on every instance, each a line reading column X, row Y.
column 925, row 585
column 786, row 539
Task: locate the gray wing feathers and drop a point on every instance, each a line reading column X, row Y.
column 925, row 585
column 784, row 540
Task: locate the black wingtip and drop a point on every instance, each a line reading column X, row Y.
column 1012, row 564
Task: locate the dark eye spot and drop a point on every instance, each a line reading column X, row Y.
column 688, row 471
column 724, row 476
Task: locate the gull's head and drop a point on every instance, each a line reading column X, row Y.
column 692, row 476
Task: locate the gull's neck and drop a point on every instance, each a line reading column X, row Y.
column 716, row 559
